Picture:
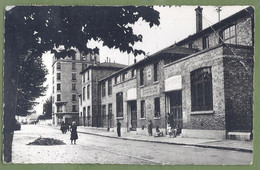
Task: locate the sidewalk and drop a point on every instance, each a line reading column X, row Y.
column 245, row 146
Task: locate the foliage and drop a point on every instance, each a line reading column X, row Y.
column 30, row 84
column 46, row 28
column 47, row 108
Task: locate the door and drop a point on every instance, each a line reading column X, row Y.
column 133, row 115
column 175, row 117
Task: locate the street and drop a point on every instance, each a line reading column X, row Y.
column 92, row 149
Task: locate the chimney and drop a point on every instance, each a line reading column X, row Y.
column 198, row 19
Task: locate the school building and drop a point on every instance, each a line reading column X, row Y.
column 202, row 84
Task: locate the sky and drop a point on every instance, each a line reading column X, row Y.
column 176, row 23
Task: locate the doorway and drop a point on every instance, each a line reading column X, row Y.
column 175, row 118
column 133, row 112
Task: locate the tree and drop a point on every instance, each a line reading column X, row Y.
column 35, row 30
column 31, row 77
column 47, row 108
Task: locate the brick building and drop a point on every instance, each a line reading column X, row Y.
column 203, row 84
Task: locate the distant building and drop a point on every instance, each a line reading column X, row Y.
column 66, row 85
column 203, row 84
column 90, row 97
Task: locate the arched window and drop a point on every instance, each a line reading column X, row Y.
column 201, row 89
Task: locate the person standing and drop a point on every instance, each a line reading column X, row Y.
column 74, row 134
column 150, row 128
column 118, row 128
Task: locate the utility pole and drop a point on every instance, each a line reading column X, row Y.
column 218, row 9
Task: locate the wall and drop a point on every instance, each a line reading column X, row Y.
column 214, row 120
column 238, row 73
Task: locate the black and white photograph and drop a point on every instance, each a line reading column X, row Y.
column 141, row 85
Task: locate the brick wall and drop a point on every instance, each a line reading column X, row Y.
column 238, row 75
column 202, row 120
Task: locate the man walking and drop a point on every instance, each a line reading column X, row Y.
column 118, row 128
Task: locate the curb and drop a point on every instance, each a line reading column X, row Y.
column 172, row 143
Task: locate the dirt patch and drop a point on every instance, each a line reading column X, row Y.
column 46, row 141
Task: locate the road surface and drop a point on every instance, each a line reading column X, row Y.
column 96, row 149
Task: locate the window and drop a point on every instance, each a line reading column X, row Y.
column 229, row 35
column 133, row 73
column 58, row 97
column 73, row 76
column 201, row 89
column 74, row 96
column 88, row 112
column 83, row 78
column 142, row 76
column 119, row 104
column 117, row 79
column 84, row 91
column 157, row 107
column 58, row 66
column 109, row 89
column 124, row 76
column 58, row 76
column 59, row 108
column 190, row 44
column 143, row 109
column 80, row 97
column 74, row 108
column 58, row 86
column 88, row 74
column 110, row 111
column 88, row 91
column 73, row 66
column 103, row 115
column 205, row 42
column 84, row 110
column 73, row 87
column 103, row 88
column 155, row 72
column 52, row 89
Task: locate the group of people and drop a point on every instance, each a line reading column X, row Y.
column 74, row 135
column 73, row 129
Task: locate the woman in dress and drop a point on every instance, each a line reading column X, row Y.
column 74, row 134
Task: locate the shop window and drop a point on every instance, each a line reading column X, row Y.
column 201, row 89
column 119, row 104
column 103, row 88
column 141, row 76
column 143, row 109
column 205, row 42
column 157, row 113
column 109, row 89
column 155, row 72
column 58, row 86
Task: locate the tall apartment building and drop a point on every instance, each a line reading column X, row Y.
column 66, row 85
